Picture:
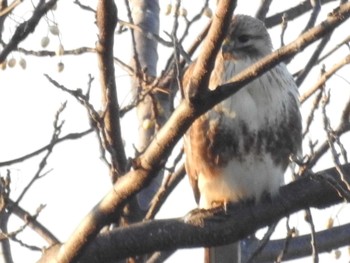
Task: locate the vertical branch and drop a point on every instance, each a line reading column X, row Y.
column 313, row 243
column 154, row 110
column 106, row 22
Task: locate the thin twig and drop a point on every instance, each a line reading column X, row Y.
column 71, row 136
column 313, row 60
column 176, row 44
column 339, row 45
column 164, row 191
column 322, row 80
column 138, row 69
column 309, row 219
column 32, row 222
column 331, row 138
column 84, row 7
column 310, row 117
column 290, row 234
column 262, row 243
column 169, row 64
column 96, row 118
column 20, row 229
column 57, row 125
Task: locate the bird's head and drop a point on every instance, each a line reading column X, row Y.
column 247, row 37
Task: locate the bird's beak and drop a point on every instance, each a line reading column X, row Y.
column 227, row 48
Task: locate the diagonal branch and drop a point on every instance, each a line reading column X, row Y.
column 210, row 228
column 32, row 222
column 212, row 43
column 27, row 27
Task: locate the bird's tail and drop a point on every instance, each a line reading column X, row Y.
column 223, row 254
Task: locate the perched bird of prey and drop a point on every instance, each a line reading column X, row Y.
column 239, row 150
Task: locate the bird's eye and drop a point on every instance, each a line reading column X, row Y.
column 243, row 38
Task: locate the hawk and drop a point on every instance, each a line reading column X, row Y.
column 239, row 150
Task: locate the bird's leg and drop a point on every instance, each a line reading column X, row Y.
column 220, row 204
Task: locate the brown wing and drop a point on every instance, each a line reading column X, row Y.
column 189, row 162
column 191, row 168
column 201, row 144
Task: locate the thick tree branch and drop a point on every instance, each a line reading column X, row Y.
column 205, row 62
column 106, row 22
column 210, row 228
column 149, row 163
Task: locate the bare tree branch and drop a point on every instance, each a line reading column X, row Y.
column 70, row 136
column 205, row 62
column 106, row 22
column 217, row 227
column 292, row 13
column 312, row 61
column 330, row 52
column 57, row 127
column 322, row 80
column 164, row 191
column 47, row 53
column 32, row 223
column 27, row 27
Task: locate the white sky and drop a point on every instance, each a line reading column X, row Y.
column 28, row 103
